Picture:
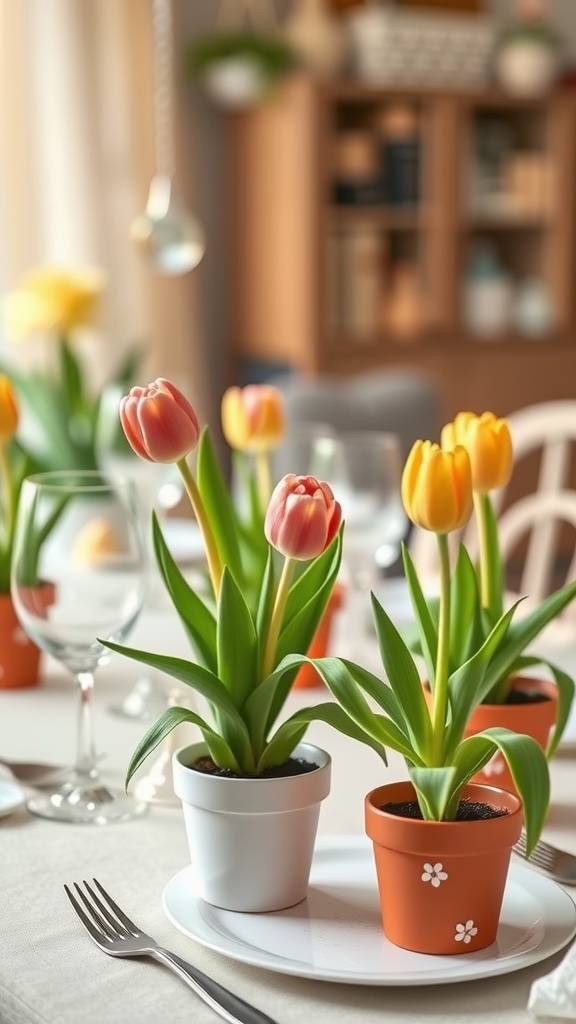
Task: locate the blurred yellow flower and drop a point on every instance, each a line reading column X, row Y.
column 50, row 299
column 488, row 443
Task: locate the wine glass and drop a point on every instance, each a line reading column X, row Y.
column 160, row 488
column 88, row 532
column 364, row 469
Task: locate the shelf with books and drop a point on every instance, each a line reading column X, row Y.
column 326, row 286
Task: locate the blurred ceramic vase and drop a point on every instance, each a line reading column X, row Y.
column 488, row 295
column 318, row 37
column 526, row 67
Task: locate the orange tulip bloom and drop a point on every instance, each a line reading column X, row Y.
column 253, row 417
column 8, row 409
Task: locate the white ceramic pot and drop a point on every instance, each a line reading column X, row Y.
column 251, row 840
column 525, row 68
column 235, row 82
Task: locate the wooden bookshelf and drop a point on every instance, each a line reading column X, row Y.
column 284, row 219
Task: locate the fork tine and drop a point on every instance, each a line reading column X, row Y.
column 108, row 931
column 119, row 913
column 86, row 921
column 117, row 927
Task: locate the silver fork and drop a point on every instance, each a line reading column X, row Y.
column 114, row 932
column 559, row 864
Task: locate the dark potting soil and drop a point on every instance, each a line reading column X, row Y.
column 526, row 697
column 468, row 810
column 293, row 766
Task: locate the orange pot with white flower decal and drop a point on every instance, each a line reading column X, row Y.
column 19, row 655
column 441, row 883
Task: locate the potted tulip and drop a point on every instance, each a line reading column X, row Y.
column 251, row 790
column 537, row 706
column 441, row 842
column 19, row 656
column 253, row 423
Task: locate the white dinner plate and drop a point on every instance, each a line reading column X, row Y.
column 335, row 934
column 11, row 797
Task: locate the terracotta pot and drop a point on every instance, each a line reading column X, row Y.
column 19, row 655
column 307, row 675
column 441, row 884
column 536, row 719
column 251, row 840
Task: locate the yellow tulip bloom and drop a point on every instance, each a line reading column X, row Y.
column 488, row 442
column 53, row 300
column 8, row 409
column 253, row 417
column 437, row 487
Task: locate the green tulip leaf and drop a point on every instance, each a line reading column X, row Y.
column 219, row 506
column 434, row 787
column 236, row 641
column 528, row 768
column 197, row 620
column 168, row 721
column 565, row 687
column 427, row 628
column 404, row 678
column 199, row 679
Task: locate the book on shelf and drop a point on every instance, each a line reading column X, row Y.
column 355, row 261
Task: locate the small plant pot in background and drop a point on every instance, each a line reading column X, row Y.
column 441, row 884
column 535, row 718
column 308, row 676
column 19, row 655
column 251, row 840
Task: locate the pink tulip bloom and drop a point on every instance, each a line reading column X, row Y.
column 302, row 518
column 159, row 422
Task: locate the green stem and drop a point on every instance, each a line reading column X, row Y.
column 277, row 615
column 263, row 479
column 440, row 696
column 214, row 563
column 483, row 540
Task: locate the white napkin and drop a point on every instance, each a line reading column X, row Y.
column 554, row 995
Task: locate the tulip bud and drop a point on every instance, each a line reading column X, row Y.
column 489, row 445
column 8, row 409
column 303, row 517
column 437, row 487
column 253, row 417
column 159, row 422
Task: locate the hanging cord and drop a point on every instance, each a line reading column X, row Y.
column 260, row 12
column 162, row 33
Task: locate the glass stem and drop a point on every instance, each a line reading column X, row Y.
column 86, row 750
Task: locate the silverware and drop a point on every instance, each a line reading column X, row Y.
column 35, row 774
column 38, row 774
column 559, row 864
column 115, row 934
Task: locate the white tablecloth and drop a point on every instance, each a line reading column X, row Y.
column 50, row 971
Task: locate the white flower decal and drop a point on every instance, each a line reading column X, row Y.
column 20, row 637
column 464, row 932
column 495, row 766
column 434, row 874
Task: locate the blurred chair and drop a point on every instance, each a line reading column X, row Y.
column 399, row 401
column 543, row 520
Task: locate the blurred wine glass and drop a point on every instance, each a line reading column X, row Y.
column 160, row 489
column 87, row 528
column 364, row 469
